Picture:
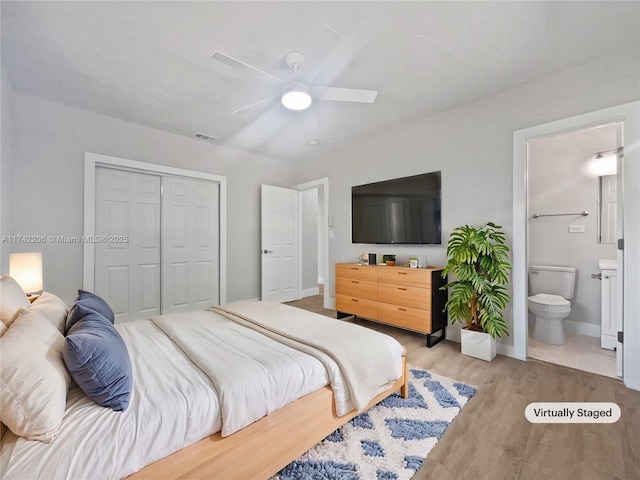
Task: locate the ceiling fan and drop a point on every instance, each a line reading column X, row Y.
column 295, row 94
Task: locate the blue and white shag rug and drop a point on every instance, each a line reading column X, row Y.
column 391, row 440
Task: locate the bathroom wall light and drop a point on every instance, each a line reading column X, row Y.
column 604, row 163
column 296, row 97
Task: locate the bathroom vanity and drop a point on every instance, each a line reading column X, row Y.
column 608, row 326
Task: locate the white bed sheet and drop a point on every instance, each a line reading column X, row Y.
column 173, row 404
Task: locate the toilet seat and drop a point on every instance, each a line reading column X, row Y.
column 547, row 299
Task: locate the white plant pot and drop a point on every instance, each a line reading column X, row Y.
column 477, row 344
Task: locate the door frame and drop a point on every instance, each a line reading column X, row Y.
column 321, row 183
column 94, row 160
column 629, row 116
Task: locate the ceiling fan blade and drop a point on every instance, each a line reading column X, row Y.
column 344, row 94
column 309, row 119
column 256, row 103
column 244, row 67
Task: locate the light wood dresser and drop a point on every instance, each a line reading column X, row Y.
column 404, row 297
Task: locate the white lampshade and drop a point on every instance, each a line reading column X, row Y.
column 296, row 97
column 26, row 269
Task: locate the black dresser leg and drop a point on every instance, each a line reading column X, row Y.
column 433, row 340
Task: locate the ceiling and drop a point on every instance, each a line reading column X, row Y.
column 150, row 62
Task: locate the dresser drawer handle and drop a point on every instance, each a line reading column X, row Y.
column 354, row 281
column 354, row 299
column 401, row 288
column 402, row 273
column 355, row 268
column 402, row 309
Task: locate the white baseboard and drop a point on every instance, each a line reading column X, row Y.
column 581, row 328
column 309, row 292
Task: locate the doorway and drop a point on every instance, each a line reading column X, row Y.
column 629, row 276
column 300, row 221
column 568, row 228
column 314, row 235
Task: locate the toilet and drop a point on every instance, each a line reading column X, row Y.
column 551, row 289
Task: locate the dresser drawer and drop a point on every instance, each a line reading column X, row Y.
column 405, row 296
column 357, row 306
column 406, row 317
column 357, row 288
column 357, row 272
column 405, row 276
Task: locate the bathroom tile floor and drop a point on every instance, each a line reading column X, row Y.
column 580, row 352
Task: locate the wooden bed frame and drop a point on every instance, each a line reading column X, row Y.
column 263, row 448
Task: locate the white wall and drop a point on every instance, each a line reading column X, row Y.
column 561, row 182
column 6, row 141
column 47, row 181
column 473, row 147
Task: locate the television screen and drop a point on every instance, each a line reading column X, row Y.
column 403, row 210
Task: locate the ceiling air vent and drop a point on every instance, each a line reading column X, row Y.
column 204, row 136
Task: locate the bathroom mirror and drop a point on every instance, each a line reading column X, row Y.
column 607, row 198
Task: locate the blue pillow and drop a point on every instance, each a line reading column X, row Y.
column 92, row 302
column 98, row 360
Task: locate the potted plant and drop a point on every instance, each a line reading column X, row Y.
column 477, row 259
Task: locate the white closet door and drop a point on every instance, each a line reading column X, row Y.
column 127, row 265
column 190, row 249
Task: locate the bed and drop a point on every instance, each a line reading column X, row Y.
column 193, row 410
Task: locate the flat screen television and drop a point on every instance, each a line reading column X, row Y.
column 400, row 211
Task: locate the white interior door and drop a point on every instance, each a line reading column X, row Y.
column 127, row 264
column 190, row 249
column 279, row 240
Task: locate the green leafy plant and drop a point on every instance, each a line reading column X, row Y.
column 478, row 260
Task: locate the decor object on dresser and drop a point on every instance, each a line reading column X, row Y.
column 389, row 260
column 392, row 439
column 409, row 298
column 477, row 258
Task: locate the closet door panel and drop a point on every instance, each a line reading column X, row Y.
column 190, row 251
column 127, row 242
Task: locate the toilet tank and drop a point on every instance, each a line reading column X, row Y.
column 552, row 280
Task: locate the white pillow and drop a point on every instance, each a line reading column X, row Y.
column 12, row 299
column 53, row 308
column 33, row 378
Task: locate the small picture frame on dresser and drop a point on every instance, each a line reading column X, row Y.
column 413, row 262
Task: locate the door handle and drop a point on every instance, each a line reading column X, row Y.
column 267, row 251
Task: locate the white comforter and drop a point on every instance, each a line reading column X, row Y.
column 209, row 374
column 361, row 362
column 252, row 377
column 174, row 404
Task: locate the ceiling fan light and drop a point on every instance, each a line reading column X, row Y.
column 296, row 97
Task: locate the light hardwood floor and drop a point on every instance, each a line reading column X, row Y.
column 491, row 438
